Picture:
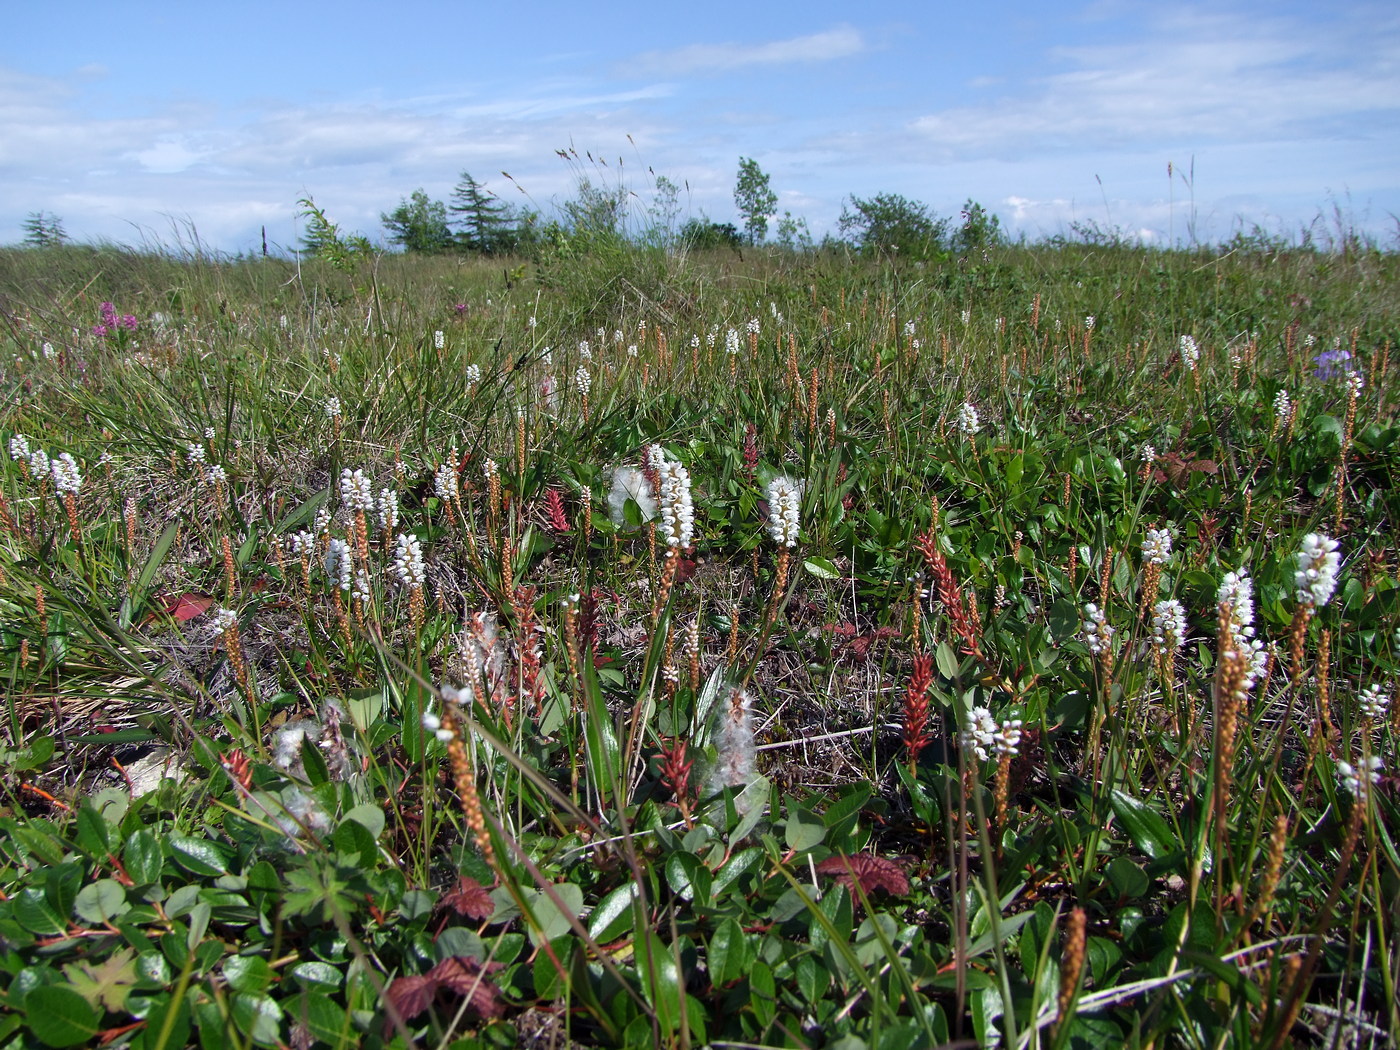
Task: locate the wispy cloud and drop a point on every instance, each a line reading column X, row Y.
column 840, row 42
column 1193, row 78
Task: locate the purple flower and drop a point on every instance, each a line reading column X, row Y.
column 128, row 322
column 461, row 308
column 1332, row 364
column 108, row 313
column 100, row 330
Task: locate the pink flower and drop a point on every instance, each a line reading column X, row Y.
column 108, row 313
column 100, row 330
column 128, row 322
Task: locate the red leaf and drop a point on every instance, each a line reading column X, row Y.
column 469, row 899
column 467, row 978
column 874, row 873
column 188, row 605
column 412, row 995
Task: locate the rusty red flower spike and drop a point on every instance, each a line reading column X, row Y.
column 554, row 507
column 675, row 770
column 916, row 736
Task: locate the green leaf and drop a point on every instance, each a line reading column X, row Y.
column 1008, row 925
column 59, row 1016
column 688, row 878
column 728, row 956
column 93, row 835
column 549, row 921
column 258, row 1017
column 142, row 857
column 372, row 817
column 313, row 974
column 354, row 842
column 327, row 1022
column 1150, row 833
column 153, row 969
column 762, row 993
column 158, row 553
column 737, row 865
column 168, row 1023
column 101, row 901
column 661, row 983
column 1129, row 880
column 821, row 568
column 613, row 914
column 247, row 973
column 852, row 800
column 946, row 659
column 804, row 831
column 35, row 913
column 752, row 802
column 198, row 856
column 31, row 756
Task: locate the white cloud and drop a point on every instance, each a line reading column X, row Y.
column 1195, row 77
column 841, row 42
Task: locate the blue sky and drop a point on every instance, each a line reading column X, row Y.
column 146, row 121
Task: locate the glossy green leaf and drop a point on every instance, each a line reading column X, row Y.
column 59, row 1016
column 197, row 856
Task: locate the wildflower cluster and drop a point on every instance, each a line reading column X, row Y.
column 445, row 482
column 1374, row 702
column 985, row 736
column 1236, row 594
column 67, row 478
column 1332, row 364
column 408, row 562
column 1098, row 635
column 784, row 501
column 355, row 491
column 1157, row 548
column 677, row 510
column 1316, row 575
column 111, row 323
column 968, row 422
column 1168, row 626
column 1190, row 352
column 1357, row 780
column 339, row 564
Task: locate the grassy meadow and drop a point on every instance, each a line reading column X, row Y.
column 659, row 650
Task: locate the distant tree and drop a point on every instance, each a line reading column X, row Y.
column 755, row 199
column 889, row 222
column 596, row 215
column 793, row 233
column 42, row 230
column 484, row 222
column 665, row 209
column 980, row 229
column 700, row 234
column 418, row 224
column 323, row 238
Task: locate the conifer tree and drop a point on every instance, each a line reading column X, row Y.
column 485, row 223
